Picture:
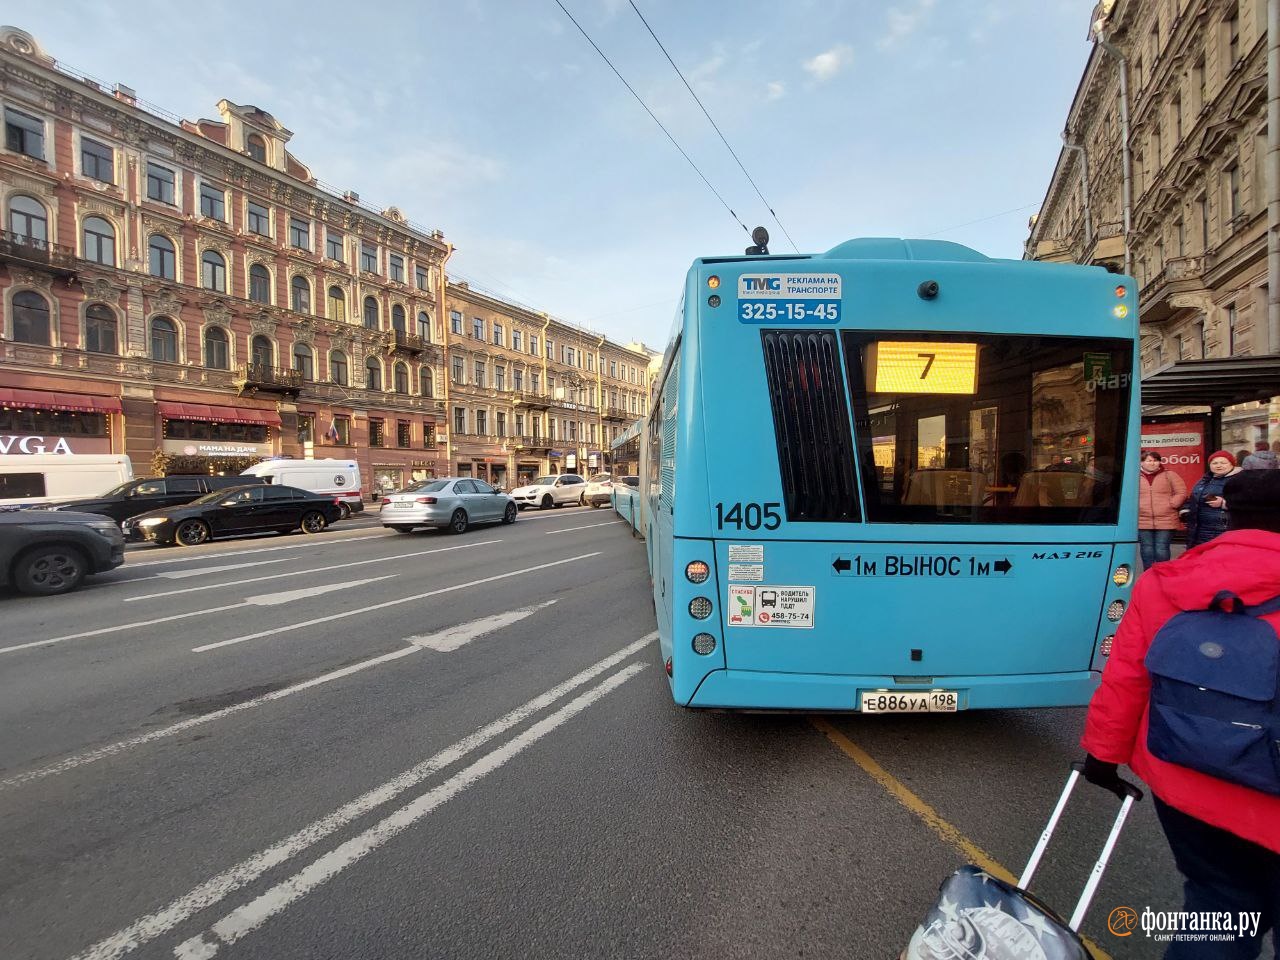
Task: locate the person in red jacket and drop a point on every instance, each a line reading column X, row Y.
column 1160, row 493
column 1225, row 837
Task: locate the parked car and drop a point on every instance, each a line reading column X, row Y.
column 552, row 491
column 599, row 490
column 45, row 553
column 244, row 509
column 151, row 493
column 330, row 477
column 35, row 479
column 450, row 502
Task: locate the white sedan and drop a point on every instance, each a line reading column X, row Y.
column 450, row 502
column 552, row 491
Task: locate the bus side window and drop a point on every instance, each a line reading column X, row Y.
column 21, row 486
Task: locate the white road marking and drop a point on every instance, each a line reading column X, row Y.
column 201, row 571
column 389, row 603
column 123, row 626
column 247, row 918
column 218, row 888
column 590, row 526
column 288, row 596
column 446, row 641
column 219, row 554
column 299, row 573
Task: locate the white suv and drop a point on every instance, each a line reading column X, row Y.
column 552, row 491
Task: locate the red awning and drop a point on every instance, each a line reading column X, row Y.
column 216, row 414
column 48, row 400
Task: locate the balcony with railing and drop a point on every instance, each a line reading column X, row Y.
column 618, row 413
column 27, row 251
column 262, row 377
column 533, row 400
column 409, row 342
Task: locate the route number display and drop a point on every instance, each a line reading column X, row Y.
column 903, row 366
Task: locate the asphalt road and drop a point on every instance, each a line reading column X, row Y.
column 370, row 744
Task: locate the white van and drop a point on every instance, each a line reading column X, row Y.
column 333, row 478
column 29, row 480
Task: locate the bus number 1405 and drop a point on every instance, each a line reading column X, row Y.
column 751, row 516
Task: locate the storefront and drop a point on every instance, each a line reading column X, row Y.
column 43, row 421
column 208, row 438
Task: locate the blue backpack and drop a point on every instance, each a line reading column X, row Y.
column 1215, row 692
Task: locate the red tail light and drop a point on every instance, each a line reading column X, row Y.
column 426, row 500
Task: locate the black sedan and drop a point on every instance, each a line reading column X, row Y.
column 46, row 553
column 237, row 510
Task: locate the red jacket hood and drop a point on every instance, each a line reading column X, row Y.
column 1247, row 562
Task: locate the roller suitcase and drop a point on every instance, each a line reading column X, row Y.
column 980, row 917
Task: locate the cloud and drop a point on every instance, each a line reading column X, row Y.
column 826, row 65
column 447, row 165
column 775, row 90
column 903, row 21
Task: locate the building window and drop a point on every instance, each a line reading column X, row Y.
column 551, row 351
column 500, row 424
column 533, row 344
column 369, row 257
column 1203, row 204
column 569, row 356
column 426, row 382
column 337, row 304
column 515, row 340
column 395, row 264
column 1179, row 237
column 299, row 234
column 100, row 329
column 31, row 318
column 256, row 147
column 479, row 381
column 519, row 424
column 99, row 241
column 591, row 362
column 457, row 371
column 160, row 184
column 421, row 278
column 428, row 435
column 300, row 295
column 477, row 328
column 338, row 367
column 259, row 284
column 304, row 361
column 370, row 313
column 28, row 221
column 213, row 271
column 1202, row 339
column 164, row 340
column 424, row 326
column 306, row 428
column 397, row 318
column 259, row 219
column 404, row 433
column 497, row 333
column 500, row 378
column 459, row 420
column 262, row 352
column 333, row 246
column 533, row 383
column 1233, row 191
column 97, row 161
column 455, row 322
column 23, row 133
column 376, row 438
column 1175, row 111
column 1231, row 31
column 341, row 431
column 401, row 378
column 613, row 369
column 373, row 374
column 213, row 202
column 1231, row 330
column 162, row 256
column 517, row 380
column 482, row 422
column 216, row 355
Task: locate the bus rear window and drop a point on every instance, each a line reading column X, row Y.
column 981, row 428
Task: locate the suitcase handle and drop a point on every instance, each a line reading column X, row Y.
column 1132, row 793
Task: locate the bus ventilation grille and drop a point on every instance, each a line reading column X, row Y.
column 811, row 424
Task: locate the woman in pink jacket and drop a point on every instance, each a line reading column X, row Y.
column 1160, row 493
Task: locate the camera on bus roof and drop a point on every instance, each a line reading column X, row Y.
column 928, row 290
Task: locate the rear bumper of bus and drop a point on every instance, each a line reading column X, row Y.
column 754, row 690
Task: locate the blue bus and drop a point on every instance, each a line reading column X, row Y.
column 894, row 477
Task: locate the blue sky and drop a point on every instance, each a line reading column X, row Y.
column 496, row 122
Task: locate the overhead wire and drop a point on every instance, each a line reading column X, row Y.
column 714, row 125
column 654, row 117
column 970, row 223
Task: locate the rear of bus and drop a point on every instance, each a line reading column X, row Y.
column 894, row 478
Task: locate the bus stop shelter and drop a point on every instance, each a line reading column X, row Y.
column 1214, row 384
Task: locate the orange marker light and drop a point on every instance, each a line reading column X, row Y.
column 1121, row 291
column 713, row 282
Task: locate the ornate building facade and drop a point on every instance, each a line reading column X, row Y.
column 1197, row 245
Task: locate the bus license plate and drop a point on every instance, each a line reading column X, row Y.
column 926, row 701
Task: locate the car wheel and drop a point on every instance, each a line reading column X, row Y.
column 344, row 511
column 595, row 504
column 458, row 522
column 547, row 501
column 401, row 528
column 192, row 533
column 314, row 522
column 509, row 515
column 45, row 571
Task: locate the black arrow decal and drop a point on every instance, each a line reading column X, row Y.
column 842, row 564
column 1002, row 566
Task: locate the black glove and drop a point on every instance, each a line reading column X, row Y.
column 1104, row 775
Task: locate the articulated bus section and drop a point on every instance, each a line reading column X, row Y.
column 899, row 485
